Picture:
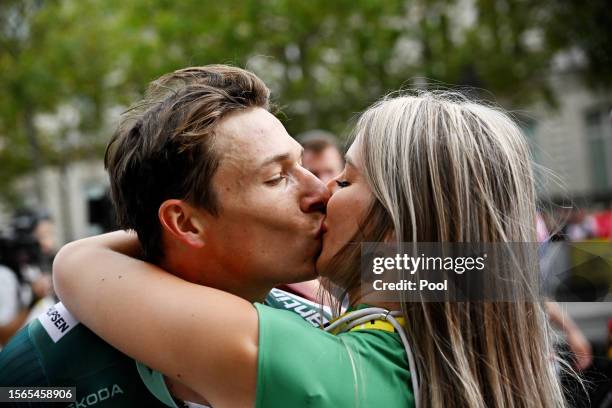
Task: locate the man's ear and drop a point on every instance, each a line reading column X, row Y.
column 184, row 222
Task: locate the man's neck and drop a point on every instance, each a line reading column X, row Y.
column 212, row 276
column 210, row 273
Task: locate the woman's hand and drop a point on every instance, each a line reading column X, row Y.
column 203, row 337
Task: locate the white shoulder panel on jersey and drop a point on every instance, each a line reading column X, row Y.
column 57, row 321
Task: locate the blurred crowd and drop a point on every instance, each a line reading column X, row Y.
column 575, row 224
column 575, row 254
column 27, row 248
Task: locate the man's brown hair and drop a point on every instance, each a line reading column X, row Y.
column 163, row 147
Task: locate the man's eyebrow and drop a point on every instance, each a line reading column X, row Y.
column 279, row 158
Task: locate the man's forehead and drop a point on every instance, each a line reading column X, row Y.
column 252, row 136
column 248, row 125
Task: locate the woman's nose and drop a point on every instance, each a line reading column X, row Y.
column 332, row 186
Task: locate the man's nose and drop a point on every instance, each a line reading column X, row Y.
column 325, row 178
column 315, row 196
column 332, row 186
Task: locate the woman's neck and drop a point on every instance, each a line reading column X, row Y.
column 357, row 297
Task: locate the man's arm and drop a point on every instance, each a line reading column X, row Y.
column 201, row 336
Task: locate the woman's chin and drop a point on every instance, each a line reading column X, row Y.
column 322, row 263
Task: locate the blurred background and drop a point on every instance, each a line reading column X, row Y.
column 68, row 68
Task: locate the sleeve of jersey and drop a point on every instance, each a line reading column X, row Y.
column 299, row 365
column 20, row 364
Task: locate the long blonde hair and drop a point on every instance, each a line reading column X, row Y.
column 445, row 169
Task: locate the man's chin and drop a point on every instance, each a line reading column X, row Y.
column 307, row 289
column 309, row 274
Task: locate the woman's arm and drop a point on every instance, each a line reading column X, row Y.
column 201, row 336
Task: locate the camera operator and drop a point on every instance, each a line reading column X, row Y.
column 25, row 281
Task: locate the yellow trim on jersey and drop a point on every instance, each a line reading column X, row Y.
column 380, row 324
column 375, row 324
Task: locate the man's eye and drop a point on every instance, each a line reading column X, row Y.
column 342, row 184
column 275, row 181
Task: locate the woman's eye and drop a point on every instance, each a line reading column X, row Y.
column 342, row 184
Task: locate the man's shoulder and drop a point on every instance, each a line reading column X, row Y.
column 67, row 348
column 56, row 344
column 20, row 363
column 56, row 350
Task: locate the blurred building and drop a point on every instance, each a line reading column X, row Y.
column 574, row 141
column 75, row 196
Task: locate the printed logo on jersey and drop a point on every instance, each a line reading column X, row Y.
column 310, row 311
column 94, row 398
column 57, row 321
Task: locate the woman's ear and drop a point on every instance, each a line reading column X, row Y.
column 183, row 222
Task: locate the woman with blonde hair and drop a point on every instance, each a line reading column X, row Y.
column 424, row 168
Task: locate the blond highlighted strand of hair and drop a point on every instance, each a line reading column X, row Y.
column 445, row 169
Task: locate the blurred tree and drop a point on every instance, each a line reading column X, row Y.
column 586, row 26
column 52, row 62
column 495, row 47
column 17, row 81
column 76, row 61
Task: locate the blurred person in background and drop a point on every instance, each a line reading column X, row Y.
column 580, row 225
column 575, row 339
column 603, row 224
column 579, row 345
column 44, row 233
column 15, row 294
column 34, row 233
column 26, row 255
column 322, row 155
